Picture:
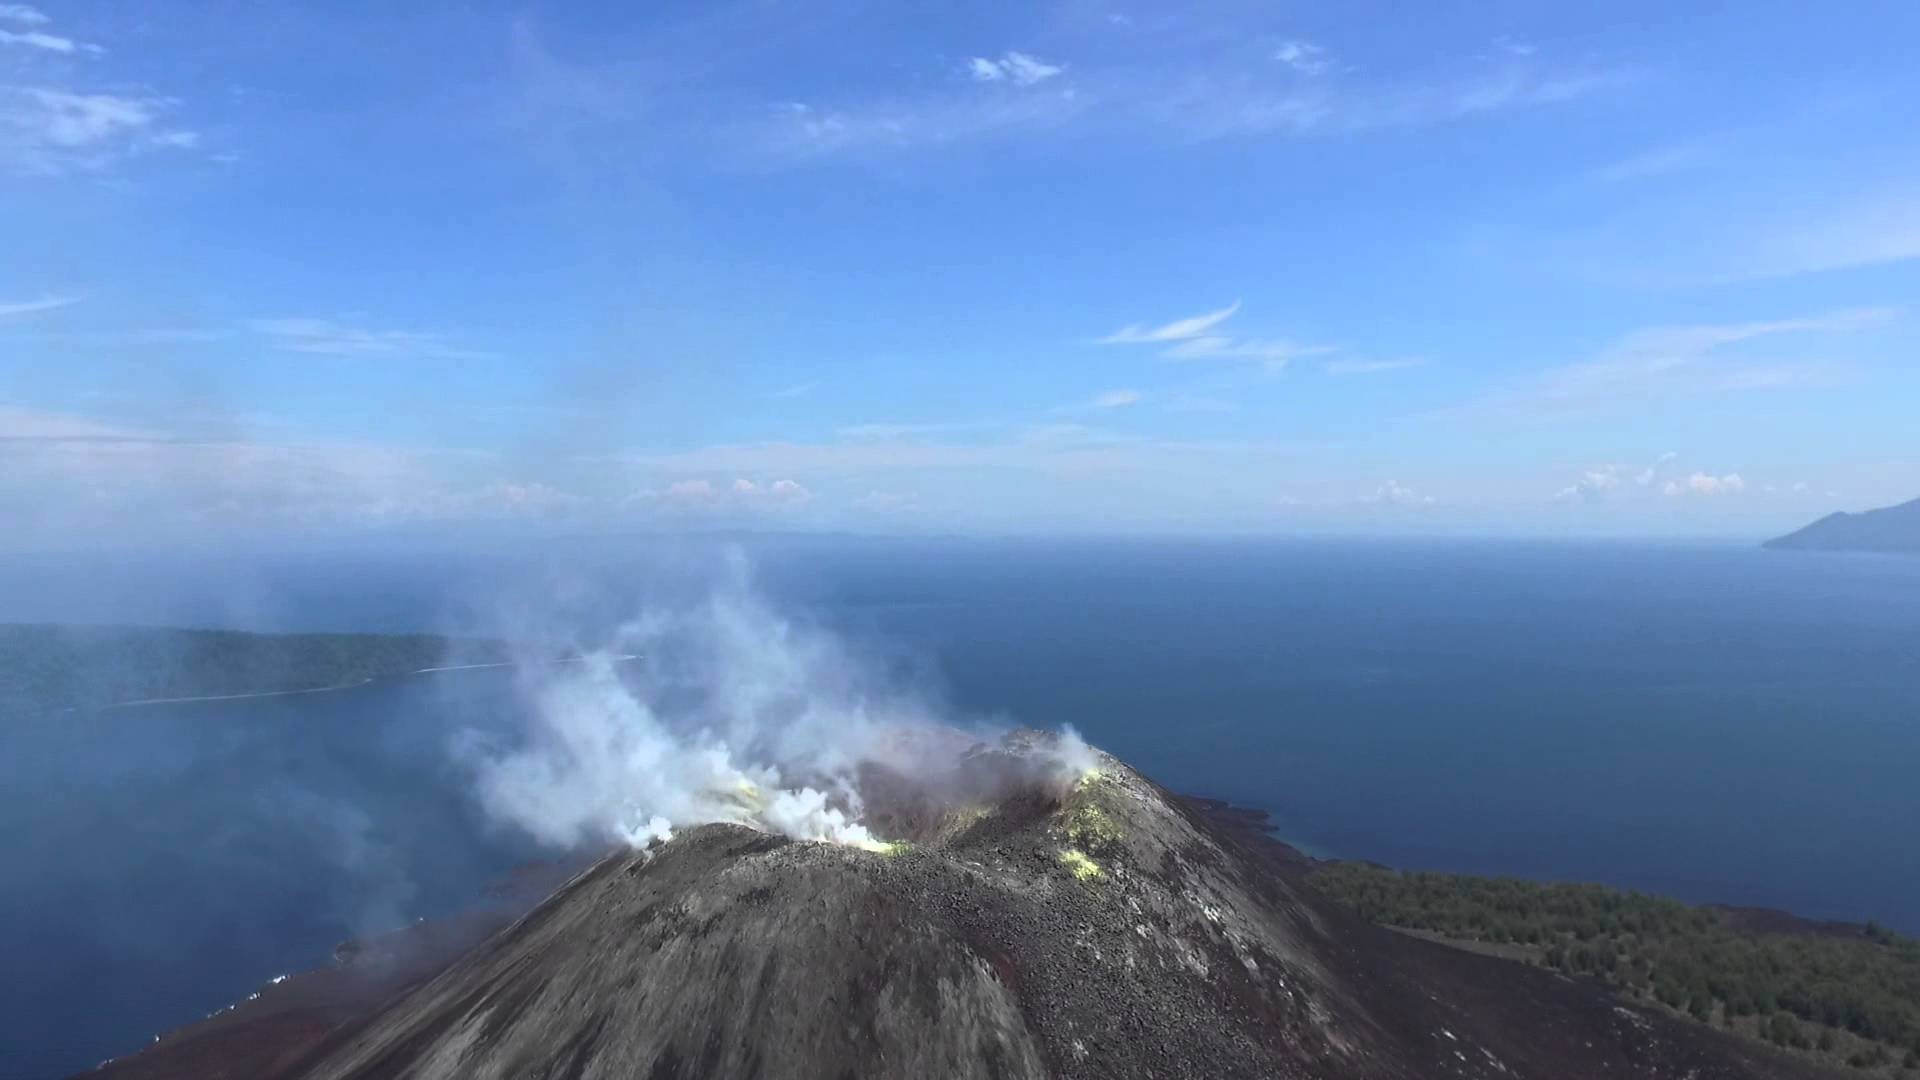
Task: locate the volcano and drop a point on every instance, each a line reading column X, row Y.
column 1018, row 924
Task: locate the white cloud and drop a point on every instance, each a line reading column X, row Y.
column 1209, row 104
column 329, row 338
column 1665, row 361
column 1866, row 230
column 46, row 130
column 701, row 494
column 885, row 432
column 51, row 128
column 1115, row 399
column 1275, row 354
column 691, row 490
column 1018, row 68
column 782, row 492
column 1599, row 481
column 40, row 39
column 1185, row 94
column 1394, row 493
column 1356, row 365
column 1700, row 483
column 1592, row 484
column 1302, row 56
column 30, row 38
column 797, row 390
column 34, row 306
column 1178, row 330
column 1659, row 161
column 1198, row 338
column 928, row 120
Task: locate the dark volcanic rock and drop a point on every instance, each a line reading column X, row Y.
column 1105, row 929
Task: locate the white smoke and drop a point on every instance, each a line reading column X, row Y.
column 1074, row 757
column 722, row 711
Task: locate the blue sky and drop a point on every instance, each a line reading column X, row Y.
column 1622, row 269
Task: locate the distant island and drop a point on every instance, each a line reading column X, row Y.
column 46, row 668
column 1890, row 529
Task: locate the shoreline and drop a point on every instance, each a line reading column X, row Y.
column 371, row 680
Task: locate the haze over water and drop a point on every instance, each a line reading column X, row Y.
column 1711, row 722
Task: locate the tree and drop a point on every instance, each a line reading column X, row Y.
column 1784, row 1030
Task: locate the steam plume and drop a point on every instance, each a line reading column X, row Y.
column 723, row 710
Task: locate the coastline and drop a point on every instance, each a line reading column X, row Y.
column 141, row 702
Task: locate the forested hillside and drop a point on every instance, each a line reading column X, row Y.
column 1844, row 992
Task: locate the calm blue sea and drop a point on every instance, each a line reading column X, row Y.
column 1711, row 722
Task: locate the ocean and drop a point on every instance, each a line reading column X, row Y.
column 1711, row 722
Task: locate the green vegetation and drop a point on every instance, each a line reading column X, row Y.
column 49, row 668
column 1848, row 994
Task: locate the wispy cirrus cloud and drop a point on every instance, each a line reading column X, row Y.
column 49, row 131
column 40, row 39
column 1673, row 360
column 1730, row 236
column 1200, row 337
column 54, row 123
column 1274, row 353
column 1189, row 94
column 32, row 36
column 1304, row 57
column 1869, row 230
column 1018, row 68
column 1656, row 162
column 328, row 337
column 1213, row 103
column 889, row 432
column 1105, row 401
column 805, row 128
column 17, row 308
column 1178, row 330
column 1360, row 365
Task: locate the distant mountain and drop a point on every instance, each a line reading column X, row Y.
column 1892, row 528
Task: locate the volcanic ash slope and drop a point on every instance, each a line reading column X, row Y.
column 1086, row 926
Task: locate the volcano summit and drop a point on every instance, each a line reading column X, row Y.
column 1019, row 924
